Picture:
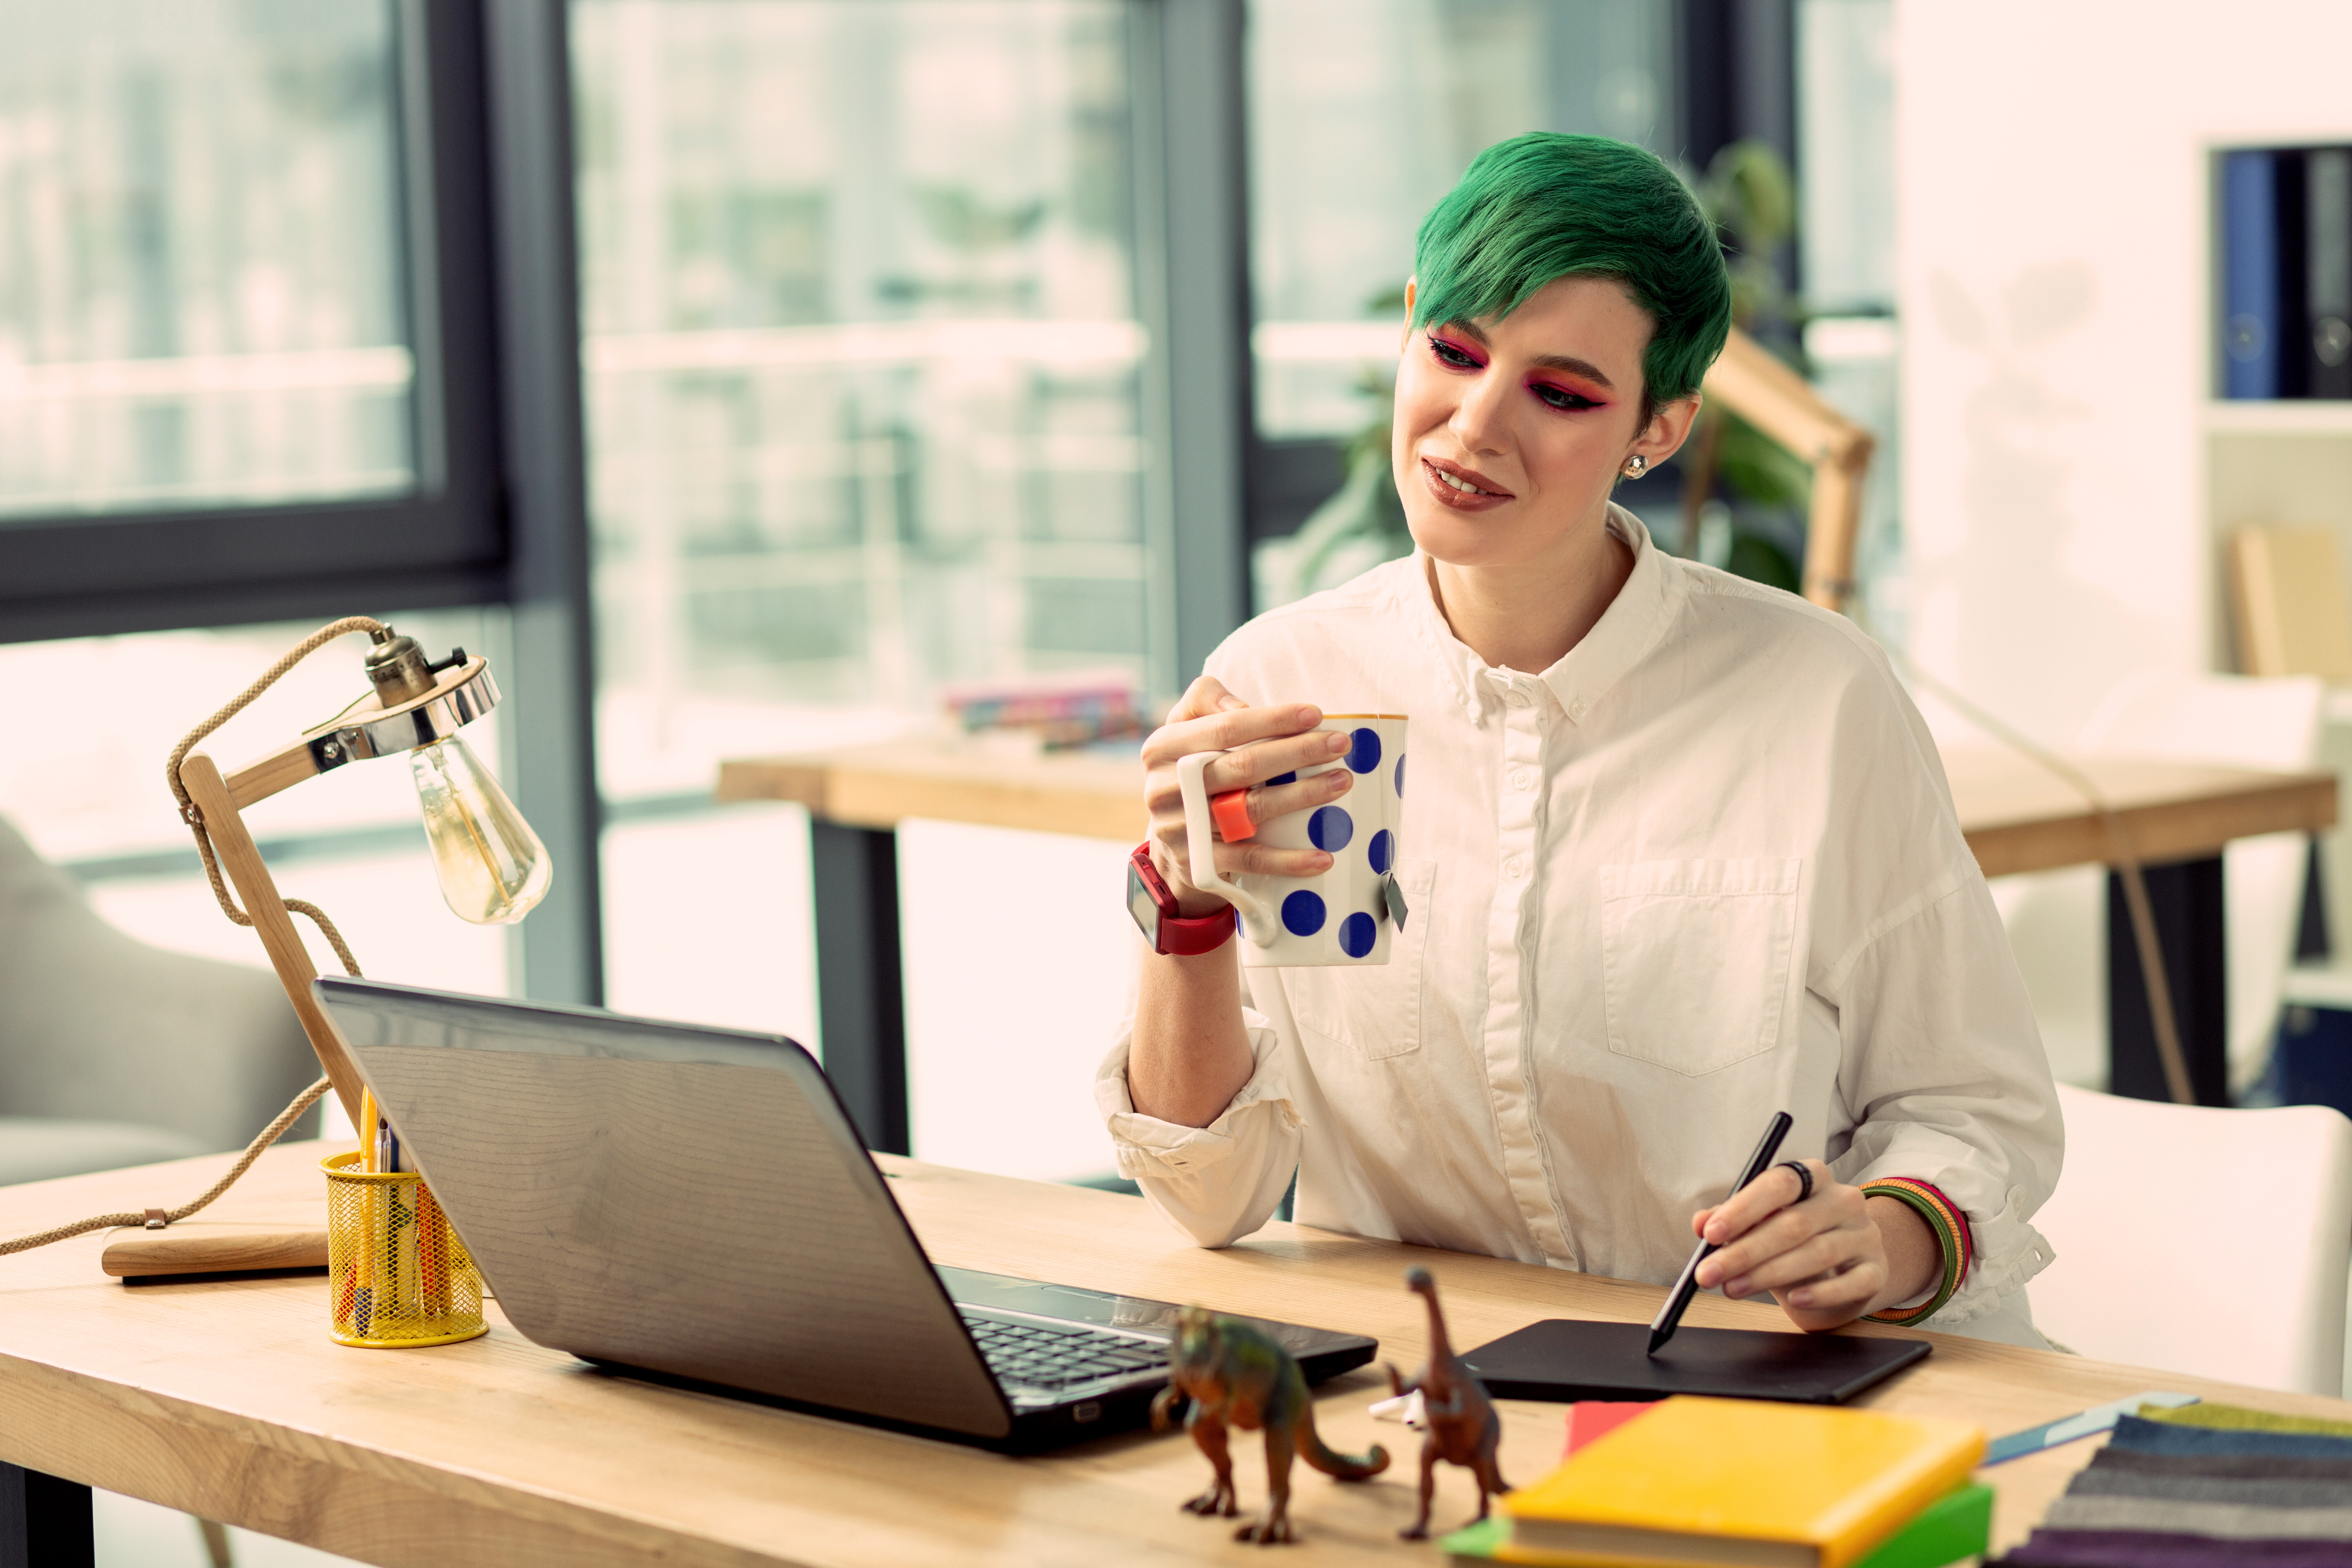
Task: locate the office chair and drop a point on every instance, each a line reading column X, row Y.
column 2201, row 1240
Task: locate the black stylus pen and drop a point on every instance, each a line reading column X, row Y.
column 1670, row 1316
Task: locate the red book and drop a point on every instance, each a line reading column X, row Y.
column 1590, row 1418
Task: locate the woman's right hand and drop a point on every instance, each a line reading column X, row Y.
column 1259, row 743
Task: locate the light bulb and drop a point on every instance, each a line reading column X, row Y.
column 493, row 868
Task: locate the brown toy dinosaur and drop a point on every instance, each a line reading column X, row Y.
column 1462, row 1426
column 1237, row 1376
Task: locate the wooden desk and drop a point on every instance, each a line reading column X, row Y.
column 227, row 1399
column 1090, row 793
column 2018, row 816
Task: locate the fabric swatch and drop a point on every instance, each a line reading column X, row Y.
column 2242, row 1521
column 2137, row 1432
column 2151, row 1549
column 2231, row 1489
column 2238, row 1417
column 2250, row 1466
column 2278, row 1491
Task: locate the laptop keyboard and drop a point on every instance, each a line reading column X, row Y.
column 1031, row 1355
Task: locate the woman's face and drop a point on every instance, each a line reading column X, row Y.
column 1510, row 432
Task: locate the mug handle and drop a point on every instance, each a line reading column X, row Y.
column 1200, row 840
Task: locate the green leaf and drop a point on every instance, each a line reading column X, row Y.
column 1759, row 560
column 1759, row 470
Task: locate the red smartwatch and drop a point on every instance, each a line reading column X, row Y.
column 1154, row 909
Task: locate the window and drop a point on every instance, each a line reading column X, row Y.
column 91, row 797
column 201, row 299
column 1845, row 61
column 862, row 353
column 1362, row 113
column 864, row 364
column 243, row 271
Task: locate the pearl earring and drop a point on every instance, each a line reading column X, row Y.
column 1636, row 466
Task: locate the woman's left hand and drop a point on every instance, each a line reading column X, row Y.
column 1828, row 1260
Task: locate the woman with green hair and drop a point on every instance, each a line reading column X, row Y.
column 1678, row 852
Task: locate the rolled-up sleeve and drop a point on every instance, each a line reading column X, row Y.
column 1944, row 1075
column 1217, row 1183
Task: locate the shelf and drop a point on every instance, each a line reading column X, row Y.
column 2290, row 418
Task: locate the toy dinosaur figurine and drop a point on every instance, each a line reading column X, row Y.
column 1237, row 1376
column 1462, row 1426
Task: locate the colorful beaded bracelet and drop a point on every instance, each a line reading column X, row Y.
column 1952, row 1234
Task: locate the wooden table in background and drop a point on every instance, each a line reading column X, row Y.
column 2179, row 816
column 225, row 1398
column 2017, row 816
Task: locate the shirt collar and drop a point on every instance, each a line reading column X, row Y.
column 1623, row 636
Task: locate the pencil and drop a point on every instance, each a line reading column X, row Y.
column 363, row 1298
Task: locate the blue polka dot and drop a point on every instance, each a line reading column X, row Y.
column 1330, row 829
column 1357, row 933
column 1381, row 852
column 1364, row 755
column 1302, row 913
column 1400, row 775
column 1286, row 778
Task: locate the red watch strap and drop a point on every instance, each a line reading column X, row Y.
column 1191, row 938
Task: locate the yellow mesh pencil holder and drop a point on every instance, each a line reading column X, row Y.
column 397, row 1276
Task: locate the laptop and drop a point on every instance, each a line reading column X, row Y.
column 692, row 1205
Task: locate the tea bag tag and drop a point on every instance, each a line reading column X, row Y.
column 1395, row 895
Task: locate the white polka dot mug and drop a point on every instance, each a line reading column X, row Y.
column 1343, row 915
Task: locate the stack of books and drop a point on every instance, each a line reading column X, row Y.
column 1065, row 710
column 2286, row 273
column 1690, row 1483
column 2207, row 1485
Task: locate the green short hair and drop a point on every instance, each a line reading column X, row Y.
column 1544, row 205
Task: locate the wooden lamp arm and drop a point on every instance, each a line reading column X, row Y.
column 240, row 858
column 258, row 780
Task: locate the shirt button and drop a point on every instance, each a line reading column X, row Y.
column 1515, row 867
column 1576, row 709
column 1518, row 778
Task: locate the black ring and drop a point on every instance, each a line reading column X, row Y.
column 1804, row 1174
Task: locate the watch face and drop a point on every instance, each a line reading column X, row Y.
column 1141, row 905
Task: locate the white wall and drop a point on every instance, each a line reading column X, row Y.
column 2054, row 267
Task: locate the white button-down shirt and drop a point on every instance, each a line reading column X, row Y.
column 1703, row 868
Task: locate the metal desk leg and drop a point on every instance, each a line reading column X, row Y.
column 2191, row 933
column 861, row 1002
column 44, row 1521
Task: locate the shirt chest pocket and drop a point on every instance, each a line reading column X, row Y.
column 1694, row 959
column 1375, row 1010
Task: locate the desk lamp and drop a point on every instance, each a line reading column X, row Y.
column 492, row 866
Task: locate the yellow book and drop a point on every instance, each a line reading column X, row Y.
column 1698, row 1483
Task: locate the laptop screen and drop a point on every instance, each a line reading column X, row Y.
column 686, row 1200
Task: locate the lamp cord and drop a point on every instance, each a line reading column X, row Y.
column 2122, row 856
column 195, row 818
column 269, row 1134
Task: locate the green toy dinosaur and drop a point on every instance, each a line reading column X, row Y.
column 1237, row 1376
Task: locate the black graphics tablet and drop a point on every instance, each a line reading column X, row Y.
column 1567, row 1358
